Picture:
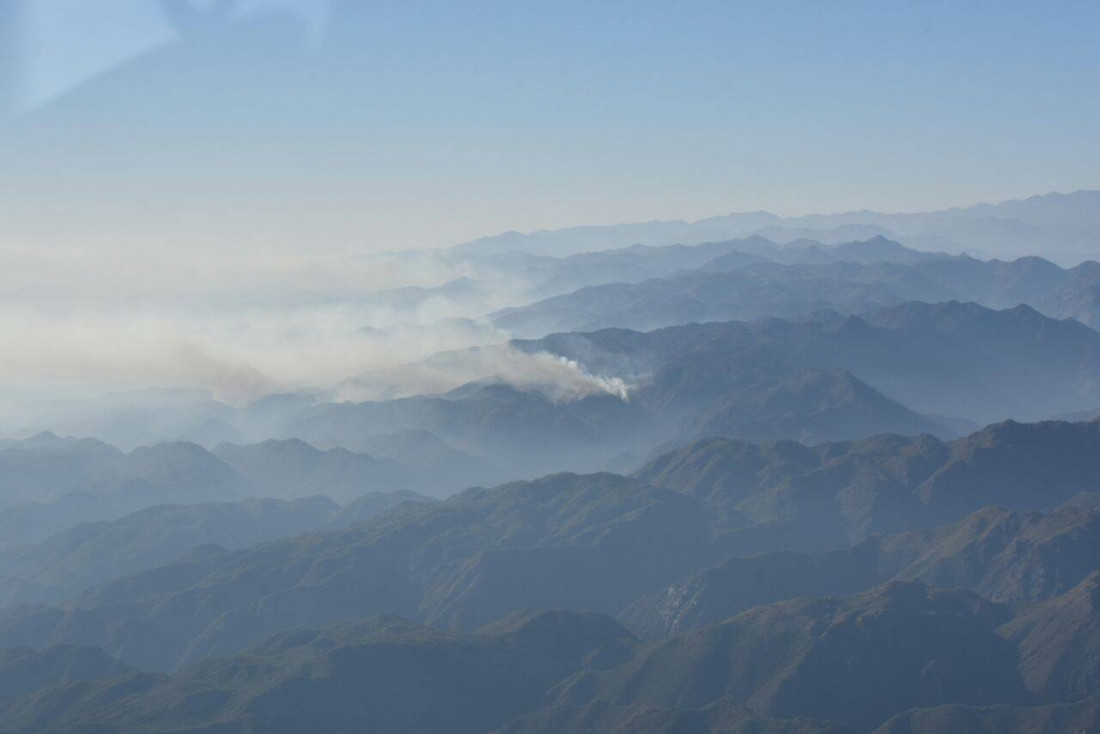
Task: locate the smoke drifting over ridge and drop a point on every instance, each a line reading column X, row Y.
column 255, row 323
column 558, row 378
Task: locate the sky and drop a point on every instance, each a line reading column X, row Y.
column 376, row 125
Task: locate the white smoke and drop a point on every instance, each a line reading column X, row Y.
column 582, row 383
column 556, row 377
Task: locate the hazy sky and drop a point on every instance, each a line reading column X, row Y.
column 364, row 125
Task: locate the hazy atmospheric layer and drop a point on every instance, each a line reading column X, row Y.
column 347, row 326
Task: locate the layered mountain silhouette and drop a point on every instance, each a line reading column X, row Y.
column 526, row 433
column 573, row 541
column 955, row 359
column 798, row 279
column 46, row 468
column 293, row 469
column 991, row 614
column 752, row 292
column 1063, row 226
column 88, row 554
column 896, row 654
column 908, row 369
column 887, row 483
column 899, row 369
column 601, row 542
column 49, row 484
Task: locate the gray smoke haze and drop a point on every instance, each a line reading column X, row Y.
column 247, row 324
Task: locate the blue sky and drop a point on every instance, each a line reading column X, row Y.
column 370, row 125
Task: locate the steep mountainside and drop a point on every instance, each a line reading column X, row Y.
column 293, row 469
column 1070, row 718
column 856, row 661
column 1059, row 642
column 599, row 542
column 383, row 674
column 1016, row 558
column 779, row 641
column 89, row 554
column 603, row 718
column 439, row 468
column 49, row 485
column 583, row 542
column 887, row 483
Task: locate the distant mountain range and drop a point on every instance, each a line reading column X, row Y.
column 910, row 368
column 955, row 359
column 49, row 484
column 91, row 553
column 755, row 278
column 1063, row 227
column 834, row 493
column 293, row 469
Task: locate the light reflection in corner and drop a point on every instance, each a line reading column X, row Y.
column 48, row 47
column 9, row 54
